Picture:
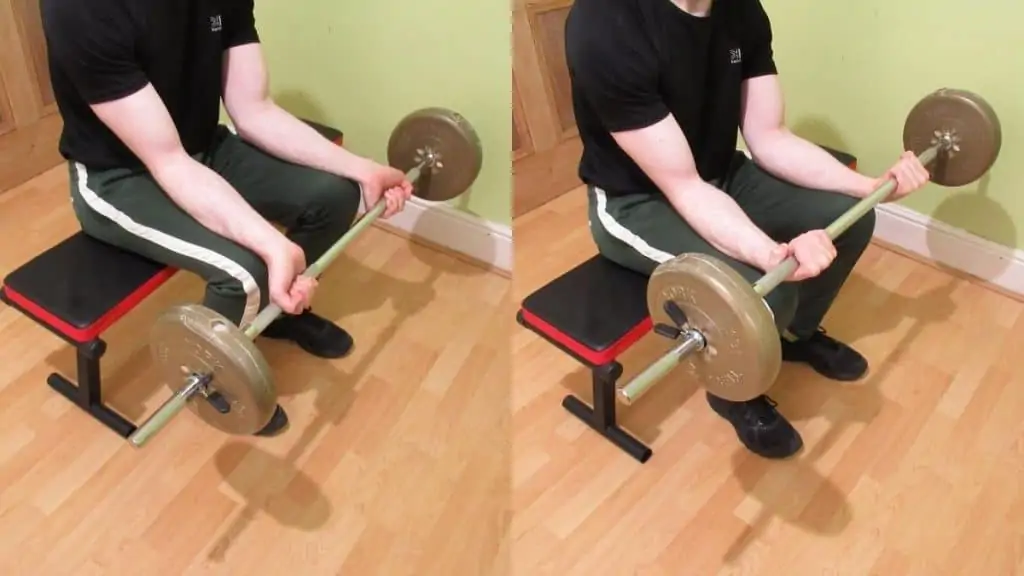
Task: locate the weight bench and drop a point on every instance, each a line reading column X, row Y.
column 80, row 288
column 594, row 313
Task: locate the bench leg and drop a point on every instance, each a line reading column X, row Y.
column 87, row 395
column 602, row 417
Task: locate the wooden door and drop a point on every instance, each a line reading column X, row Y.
column 29, row 123
column 545, row 143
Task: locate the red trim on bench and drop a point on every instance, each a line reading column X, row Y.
column 596, row 357
column 93, row 331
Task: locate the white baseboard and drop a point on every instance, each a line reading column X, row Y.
column 478, row 239
column 949, row 246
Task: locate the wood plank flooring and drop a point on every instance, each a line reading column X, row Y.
column 402, row 457
column 917, row 469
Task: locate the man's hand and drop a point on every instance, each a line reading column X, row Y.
column 289, row 289
column 387, row 182
column 813, row 252
column 910, row 176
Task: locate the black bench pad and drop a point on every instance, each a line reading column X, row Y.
column 81, row 286
column 595, row 311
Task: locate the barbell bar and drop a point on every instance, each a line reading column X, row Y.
column 226, row 379
column 198, row 383
column 725, row 330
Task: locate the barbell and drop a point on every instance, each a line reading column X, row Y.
column 725, row 333
column 213, row 366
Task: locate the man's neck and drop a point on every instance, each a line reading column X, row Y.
column 695, row 7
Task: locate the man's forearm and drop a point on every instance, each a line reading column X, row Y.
column 208, row 198
column 721, row 222
column 793, row 159
column 280, row 134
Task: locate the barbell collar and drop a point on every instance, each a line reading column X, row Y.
column 166, row 412
column 692, row 341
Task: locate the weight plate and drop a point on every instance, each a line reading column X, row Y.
column 448, row 138
column 743, row 354
column 191, row 339
column 969, row 120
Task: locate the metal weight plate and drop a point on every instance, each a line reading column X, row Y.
column 969, row 120
column 743, row 354
column 191, row 339
column 447, row 137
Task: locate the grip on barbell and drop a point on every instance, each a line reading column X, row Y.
column 778, row 275
column 271, row 312
column 643, row 382
column 178, row 400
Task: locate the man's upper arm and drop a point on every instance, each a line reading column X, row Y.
column 762, row 103
column 96, row 52
column 618, row 73
column 245, row 82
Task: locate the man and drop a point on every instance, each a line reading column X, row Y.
column 139, row 86
column 660, row 88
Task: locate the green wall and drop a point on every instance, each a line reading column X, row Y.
column 362, row 66
column 851, row 72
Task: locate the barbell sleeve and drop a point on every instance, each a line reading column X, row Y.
column 644, row 381
column 165, row 413
column 177, row 402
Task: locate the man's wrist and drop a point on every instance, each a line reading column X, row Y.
column 264, row 240
column 349, row 165
column 862, row 186
column 760, row 255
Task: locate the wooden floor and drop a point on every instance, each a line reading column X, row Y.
column 917, row 469
column 397, row 462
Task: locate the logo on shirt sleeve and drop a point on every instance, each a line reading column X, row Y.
column 216, row 24
column 735, row 56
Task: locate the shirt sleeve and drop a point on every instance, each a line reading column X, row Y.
column 615, row 69
column 240, row 27
column 95, row 49
column 758, row 56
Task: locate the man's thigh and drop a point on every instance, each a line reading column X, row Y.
column 128, row 209
column 784, row 210
column 641, row 231
column 280, row 191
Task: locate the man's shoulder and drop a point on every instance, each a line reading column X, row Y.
column 62, row 17
column 603, row 24
column 742, row 13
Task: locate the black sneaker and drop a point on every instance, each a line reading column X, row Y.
column 828, row 356
column 759, row 426
column 278, row 423
column 316, row 335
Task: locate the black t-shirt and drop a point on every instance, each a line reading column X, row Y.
column 103, row 50
column 633, row 62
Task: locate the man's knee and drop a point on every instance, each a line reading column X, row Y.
column 859, row 233
column 783, row 302
column 330, row 199
column 238, row 287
